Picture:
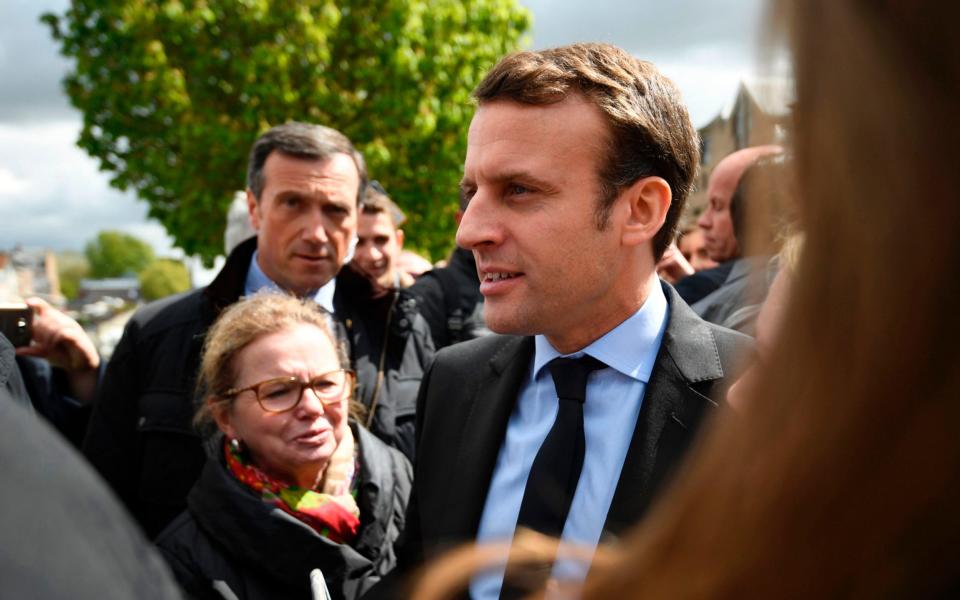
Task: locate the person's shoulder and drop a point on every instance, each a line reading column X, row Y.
column 378, row 455
column 181, row 533
column 170, row 312
column 730, row 344
column 702, row 349
column 427, row 284
column 101, row 538
column 472, row 353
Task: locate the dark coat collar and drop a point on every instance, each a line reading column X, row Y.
column 256, row 533
column 228, row 285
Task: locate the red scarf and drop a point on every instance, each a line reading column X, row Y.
column 335, row 517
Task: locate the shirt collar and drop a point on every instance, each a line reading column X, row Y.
column 258, row 280
column 630, row 348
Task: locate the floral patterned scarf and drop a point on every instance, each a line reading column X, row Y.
column 331, row 511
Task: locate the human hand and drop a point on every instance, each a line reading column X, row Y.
column 673, row 266
column 59, row 339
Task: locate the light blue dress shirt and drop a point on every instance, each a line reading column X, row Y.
column 258, row 280
column 613, row 400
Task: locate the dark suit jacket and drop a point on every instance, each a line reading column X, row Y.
column 469, row 393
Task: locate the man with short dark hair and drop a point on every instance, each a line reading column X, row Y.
column 579, row 160
column 380, row 239
column 304, row 185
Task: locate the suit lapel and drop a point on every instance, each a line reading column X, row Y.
column 484, row 428
column 674, row 402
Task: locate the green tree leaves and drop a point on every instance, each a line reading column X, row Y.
column 163, row 277
column 174, row 92
column 115, row 254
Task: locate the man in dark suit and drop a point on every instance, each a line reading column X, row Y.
column 578, row 163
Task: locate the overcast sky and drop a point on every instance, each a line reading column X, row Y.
column 52, row 195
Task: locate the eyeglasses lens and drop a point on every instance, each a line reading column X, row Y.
column 283, row 394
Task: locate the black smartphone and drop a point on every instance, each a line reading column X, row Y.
column 16, row 322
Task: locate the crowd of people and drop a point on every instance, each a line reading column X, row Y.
column 587, row 399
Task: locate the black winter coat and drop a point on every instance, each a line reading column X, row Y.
column 229, row 537
column 141, row 438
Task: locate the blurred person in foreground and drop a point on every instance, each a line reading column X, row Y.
column 769, row 322
column 304, row 186
column 571, row 423
column 450, row 299
column 63, row 535
column 296, row 485
column 380, row 239
column 840, row 480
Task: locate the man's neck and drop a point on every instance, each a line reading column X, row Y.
column 577, row 338
column 258, row 280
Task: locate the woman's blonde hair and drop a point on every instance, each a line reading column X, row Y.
column 237, row 327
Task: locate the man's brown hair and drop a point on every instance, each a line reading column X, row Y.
column 650, row 129
column 375, row 201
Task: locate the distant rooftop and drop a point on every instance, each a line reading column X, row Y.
column 111, row 283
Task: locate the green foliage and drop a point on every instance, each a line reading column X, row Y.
column 174, row 92
column 71, row 268
column 164, row 277
column 115, row 254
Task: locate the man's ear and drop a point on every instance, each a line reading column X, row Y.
column 399, row 239
column 253, row 210
column 221, row 415
column 647, row 203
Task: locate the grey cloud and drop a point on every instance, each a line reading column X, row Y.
column 30, row 65
column 652, row 30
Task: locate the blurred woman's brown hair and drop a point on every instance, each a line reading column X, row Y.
column 843, row 480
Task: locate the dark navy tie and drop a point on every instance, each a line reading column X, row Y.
column 556, row 468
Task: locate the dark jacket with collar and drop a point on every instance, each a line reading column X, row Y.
column 228, row 534
column 390, row 348
column 469, row 393
column 141, row 437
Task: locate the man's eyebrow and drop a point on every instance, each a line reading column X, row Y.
column 508, row 176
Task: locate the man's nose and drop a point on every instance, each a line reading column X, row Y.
column 704, row 221
column 315, row 227
column 480, row 224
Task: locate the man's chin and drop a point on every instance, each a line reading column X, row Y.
column 310, row 284
column 499, row 319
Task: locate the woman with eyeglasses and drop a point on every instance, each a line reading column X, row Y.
column 295, row 490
